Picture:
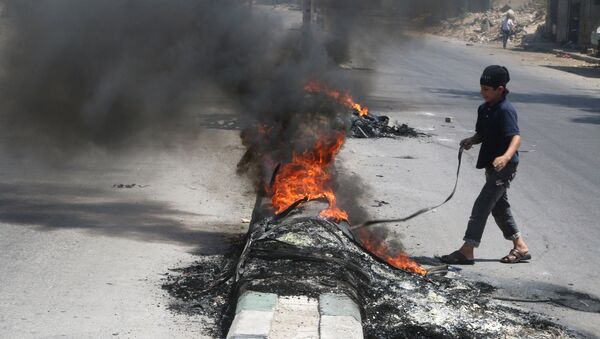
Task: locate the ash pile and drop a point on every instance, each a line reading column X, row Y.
column 297, row 254
column 374, row 126
column 485, row 27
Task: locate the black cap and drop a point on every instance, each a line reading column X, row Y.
column 495, row 76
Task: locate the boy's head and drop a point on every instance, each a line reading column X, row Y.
column 493, row 83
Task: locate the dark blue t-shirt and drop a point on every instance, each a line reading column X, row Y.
column 496, row 125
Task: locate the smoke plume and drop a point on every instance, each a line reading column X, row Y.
column 78, row 73
column 75, row 74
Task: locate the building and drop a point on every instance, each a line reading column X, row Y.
column 572, row 21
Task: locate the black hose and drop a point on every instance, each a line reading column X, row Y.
column 419, row 212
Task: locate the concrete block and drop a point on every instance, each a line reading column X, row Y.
column 340, row 317
column 256, row 301
column 295, row 317
column 254, row 314
column 338, row 305
column 251, row 324
column 334, row 327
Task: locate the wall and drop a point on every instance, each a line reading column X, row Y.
column 562, row 21
column 590, row 19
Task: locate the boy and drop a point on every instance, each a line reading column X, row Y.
column 497, row 131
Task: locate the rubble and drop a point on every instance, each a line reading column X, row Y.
column 484, row 27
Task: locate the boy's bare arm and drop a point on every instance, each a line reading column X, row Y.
column 469, row 142
column 501, row 161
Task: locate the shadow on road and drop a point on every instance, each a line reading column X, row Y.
column 50, row 207
column 588, row 119
column 534, row 291
column 542, row 292
column 588, row 72
column 583, row 102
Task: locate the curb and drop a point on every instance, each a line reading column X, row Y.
column 578, row 56
column 340, row 317
column 267, row 315
column 253, row 316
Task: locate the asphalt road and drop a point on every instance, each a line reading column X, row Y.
column 422, row 80
column 81, row 258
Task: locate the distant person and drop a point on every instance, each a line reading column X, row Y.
column 498, row 132
column 507, row 27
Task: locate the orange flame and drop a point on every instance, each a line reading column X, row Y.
column 399, row 259
column 307, row 176
column 343, row 98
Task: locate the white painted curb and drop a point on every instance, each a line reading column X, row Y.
column 266, row 315
column 253, row 316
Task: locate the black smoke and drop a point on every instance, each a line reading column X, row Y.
column 103, row 73
column 78, row 73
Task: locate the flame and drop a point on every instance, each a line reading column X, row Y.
column 343, row 98
column 399, row 259
column 307, row 176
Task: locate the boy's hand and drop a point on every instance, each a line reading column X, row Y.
column 500, row 162
column 467, row 143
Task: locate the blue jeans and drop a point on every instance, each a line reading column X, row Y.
column 505, row 36
column 493, row 200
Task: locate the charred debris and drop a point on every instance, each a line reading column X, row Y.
column 300, row 242
column 378, row 126
column 363, row 123
column 297, row 253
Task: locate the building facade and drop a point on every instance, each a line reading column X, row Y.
column 572, row 20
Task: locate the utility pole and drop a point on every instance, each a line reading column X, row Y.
column 308, row 11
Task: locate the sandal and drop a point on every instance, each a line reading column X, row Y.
column 456, row 258
column 515, row 256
